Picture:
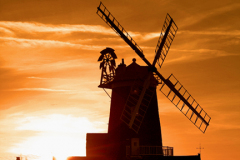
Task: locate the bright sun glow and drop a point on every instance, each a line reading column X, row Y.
column 56, row 135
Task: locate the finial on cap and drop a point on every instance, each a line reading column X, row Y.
column 134, row 60
column 122, row 61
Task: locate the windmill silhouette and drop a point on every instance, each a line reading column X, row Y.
column 134, row 130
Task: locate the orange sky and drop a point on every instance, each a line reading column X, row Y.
column 49, row 73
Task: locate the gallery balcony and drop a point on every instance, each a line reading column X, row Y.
column 149, row 151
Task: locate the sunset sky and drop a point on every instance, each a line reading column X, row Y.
column 49, row 73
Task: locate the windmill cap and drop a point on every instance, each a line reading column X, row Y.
column 107, row 50
column 127, row 75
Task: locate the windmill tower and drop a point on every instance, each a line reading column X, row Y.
column 134, row 130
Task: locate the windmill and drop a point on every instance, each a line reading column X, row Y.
column 171, row 87
column 134, row 130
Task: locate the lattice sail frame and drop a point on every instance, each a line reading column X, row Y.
column 134, row 120
column 170, row 28
column 200, row 123
column 108, row 17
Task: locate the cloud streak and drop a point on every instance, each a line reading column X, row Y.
column 61, row 29
column 41, row 89
column 26, row 43
column 14, row 28
column 195, row 18
column 183, row 55
column 210, row 33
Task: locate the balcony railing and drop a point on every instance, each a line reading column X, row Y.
column 151, row 150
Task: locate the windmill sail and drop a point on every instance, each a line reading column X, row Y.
column 167, row 35
column 180, row 97
column 116, row 26
column 137, row 104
